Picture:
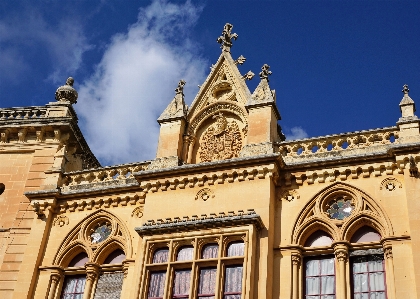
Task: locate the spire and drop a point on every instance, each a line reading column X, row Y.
column 176, row 108
column 226, row 38
column 67, row 93
column 263, row 94
column 407, row 105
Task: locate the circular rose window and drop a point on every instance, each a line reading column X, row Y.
column 100, row 233
column 340, row 208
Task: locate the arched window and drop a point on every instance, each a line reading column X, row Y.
column 210, row 251
column 160, row 256
column 319, row 238
column 79, row 260
column 115, row 257
column 74, row 285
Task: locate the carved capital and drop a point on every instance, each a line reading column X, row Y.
column 92, row 271
column 296, row 259
column 388, row 252
column 341, row 252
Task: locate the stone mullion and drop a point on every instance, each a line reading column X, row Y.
column 191, row 142
column 92, row 273
column 341, row 254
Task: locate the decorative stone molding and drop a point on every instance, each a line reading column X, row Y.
column 390, row 184
column 137, row 212
column 257, row 149
column 290, row 195
column 366, row 252
column 341, row 252
column 23, row 113
column 388, row 252
column 61, row 220
column 204, row 194
column 164, row 162
column 220, row 141
column 92, row 271
column 296, row 259
column 200, row 180
column 177, row 224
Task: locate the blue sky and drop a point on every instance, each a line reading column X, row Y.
column 338, row 66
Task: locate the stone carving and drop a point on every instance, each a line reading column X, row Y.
column 37, row 209
column 341, row 255
column 390, row 184
column 176, row 108
column 220, row 141
column 256, row 149
column 204, row 194
column 413, row 167
column 4, row 136
column 226, row 38
column 61, row 220
column 241, row 59
column 164, row 162
column 137, row 212
column 248, row 76
column 22, row 135
column 67, row 93
column 290, row 195
column 296, row 259
column 265, row 72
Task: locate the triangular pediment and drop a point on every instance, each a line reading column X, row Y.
column 224, row 84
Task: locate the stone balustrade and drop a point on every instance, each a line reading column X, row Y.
column 23, row 113
column 354, row 143
column 102, row 177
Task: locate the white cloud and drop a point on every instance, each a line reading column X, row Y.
column 63, row 44
column 135, row 81
column 295, row 133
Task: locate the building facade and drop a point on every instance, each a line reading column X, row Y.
column 227, row 209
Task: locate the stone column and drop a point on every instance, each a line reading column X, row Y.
column 389, row 270
column 296, row 261
column 191, row 142
column 92, row 272
column 341, row 254
column 128, row 279
column 55, row 278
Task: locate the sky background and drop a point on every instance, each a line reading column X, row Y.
column 338, row 66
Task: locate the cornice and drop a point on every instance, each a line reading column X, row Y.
column 177, row 224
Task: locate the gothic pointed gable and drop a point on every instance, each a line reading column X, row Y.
column 224, row 84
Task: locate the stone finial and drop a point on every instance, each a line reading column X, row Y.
column 226, row 38
column 265, row 72
column 241, row 59
column 180, row 88
column 67, row 93
column 407, row 105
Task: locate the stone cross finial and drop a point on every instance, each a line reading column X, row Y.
column 226, row 38
column 405, row 89
column 180, row 88
column 265, row 72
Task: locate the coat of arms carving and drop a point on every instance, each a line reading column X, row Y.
column 222, row 140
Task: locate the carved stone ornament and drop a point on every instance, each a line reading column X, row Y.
column 137, row 212
column 296, row 259
column 164, row 162
column 390, row 184
column 204, row 194
column 61, row 220
column 67, row 93
column 341, row 255
column 289, row 195
column 222, row 140
column 226, row 38
column 257, row 149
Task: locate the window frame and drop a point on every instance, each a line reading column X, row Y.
column 199, row 239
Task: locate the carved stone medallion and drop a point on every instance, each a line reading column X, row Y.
column 137, row 212
column 61, row 220
column 390, row 184
column 222, row 140
column 204, row 194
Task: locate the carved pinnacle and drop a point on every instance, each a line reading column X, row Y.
column 405, row 89
column 248, row 76
column 180, row 88
column 265, row 72
column 226, row 38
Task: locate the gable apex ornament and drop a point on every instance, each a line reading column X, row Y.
column 176, row 108
column 265, row 72
column 226, row 38
column 67, row 93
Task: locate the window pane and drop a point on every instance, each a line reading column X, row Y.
column 233, row 282
column 181, row 284
column 156, row 285
column 160, row 256
column 207, row 283
column 109, row 286
column 368, row 277
column 320, row 278
column 185, row 254
column 235, row 249
column 210, row 251
column 74, row 287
